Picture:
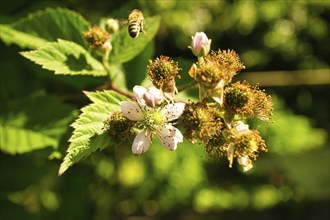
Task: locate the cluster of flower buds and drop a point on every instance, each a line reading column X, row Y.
column 213, row 70
column 219, row 126
column 217, row 120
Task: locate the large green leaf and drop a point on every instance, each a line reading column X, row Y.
column 136, row 68
column 9, row 35
column 18, row 140
column 46, row 26
column 118, row 76
column 88, row 135
column 66, row 57
column 126, row 48
column 37, row 122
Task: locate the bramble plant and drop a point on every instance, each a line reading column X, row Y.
column 218, row 120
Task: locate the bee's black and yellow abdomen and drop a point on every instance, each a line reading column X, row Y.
column 134, row 29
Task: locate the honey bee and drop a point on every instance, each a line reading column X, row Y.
column 135, row 23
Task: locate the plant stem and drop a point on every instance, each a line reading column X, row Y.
column 124, row 93
column 110, row 85
column 187, row 86
column 106, row 64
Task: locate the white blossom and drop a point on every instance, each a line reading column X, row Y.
column 155, row 119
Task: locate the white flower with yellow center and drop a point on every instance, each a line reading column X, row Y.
column 153, row 119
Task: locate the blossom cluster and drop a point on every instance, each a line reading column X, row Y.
column 218, row 120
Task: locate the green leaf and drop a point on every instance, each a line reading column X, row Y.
column 46, row 26
column 126, row 48
column 65, row 57
column 118, row 76
column 37, row 122
column 136, row 68
column 20, row 140
column 9, row 35
column 88, row 135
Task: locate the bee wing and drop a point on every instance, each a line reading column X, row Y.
column 123, row 22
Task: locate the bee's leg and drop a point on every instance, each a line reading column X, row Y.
column 143, row 26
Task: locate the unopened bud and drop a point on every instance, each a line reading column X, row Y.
column 106, row 46
column 112, row 25
column 153, row 97
column 200, row 44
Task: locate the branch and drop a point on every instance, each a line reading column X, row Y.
column 187, row 86
column 122, row 92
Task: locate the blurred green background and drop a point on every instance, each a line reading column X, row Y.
column 284, row 46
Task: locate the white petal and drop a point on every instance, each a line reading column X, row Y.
column 131, row 110
column 241, row 127
column 139, row 92
column 173, row 111
column 156, row 92
column 169, row 96
column 230, row 154
column 246, row 162
column 141, row 143
column 220, row 84
column 169, row 136
column 217, row 92
column 217, row 99
column 153, row 97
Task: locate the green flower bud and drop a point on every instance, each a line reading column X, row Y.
column 162, row 72
column 96, row 37
column 118, row 127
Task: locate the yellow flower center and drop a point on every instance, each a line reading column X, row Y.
column 153, row 119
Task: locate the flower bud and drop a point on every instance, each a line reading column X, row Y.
column 112, row 25
column 153, row 97
column 162, row 72
column 118, row 127
column 96, row 37
column 238, row 98
column 106, row 46
column 248, row 101
column 200, row 44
